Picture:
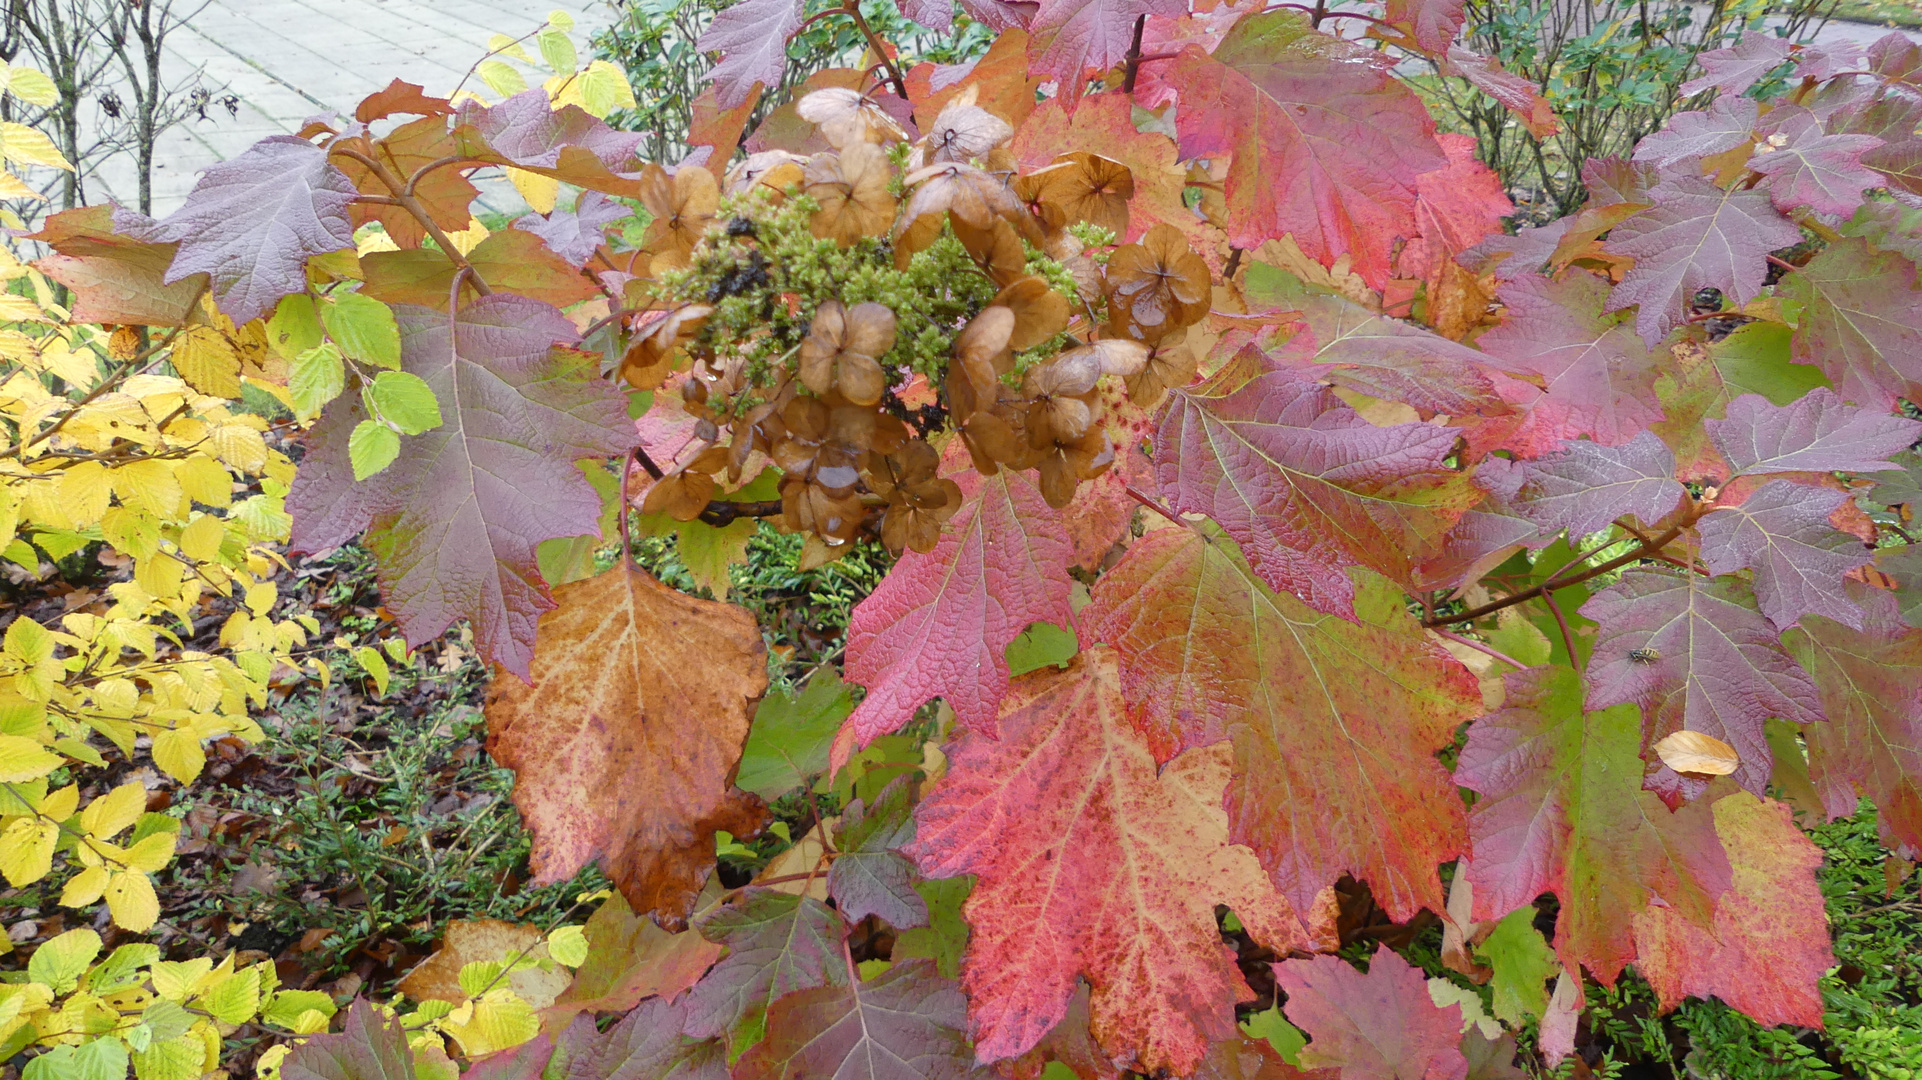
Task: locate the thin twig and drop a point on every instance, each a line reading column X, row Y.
column 412, row 205
column 1133, row 61
column 1568, row 636
column 1137, row 495
column 1481, row 647
column 853, row 9
column 1642, row 550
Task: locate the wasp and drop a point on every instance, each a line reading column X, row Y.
column 1645, row 656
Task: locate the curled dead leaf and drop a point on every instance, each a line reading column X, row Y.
column 1693, row 752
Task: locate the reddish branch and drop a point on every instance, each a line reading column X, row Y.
column 1645, row 549
column 1134, row 57
column 853, row 10
column 404, row 195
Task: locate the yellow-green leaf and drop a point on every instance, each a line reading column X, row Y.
column 23, row 145
column 59, row 961
column 25, row 759
column 107, row 815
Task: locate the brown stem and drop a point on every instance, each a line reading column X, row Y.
column 1481, row 647
column 1134, row 57
column 721, row 513
column 412, row 205
column 627, row 509
column 414, row 178
column 1641, row 551
column 1783, row 263
column 1568, row 636
column 653, row 470
column 853, row 10
column 1234, row 263
column 1136, row 494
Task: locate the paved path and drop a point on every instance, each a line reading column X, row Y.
column 289, row 59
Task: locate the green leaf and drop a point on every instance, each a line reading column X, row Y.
column 404, row 401
column 1755, row 360
column 946, row 936
column 316, row 377
column 122, row 967
column 1269, row 1024
column 1040, row 645
column 372, row 447
column 372, row 662
column 558, row 50
column 1523, row 964
column 295, row 327
column 102, row 1059
column 788, row 743
column 288, row 1006
column 364, row 328
column 60, row 962
column 706, row 551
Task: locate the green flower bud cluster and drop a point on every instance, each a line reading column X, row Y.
column 765, row 284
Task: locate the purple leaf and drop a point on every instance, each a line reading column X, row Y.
column 574, row 234
column 1817, row 432
column 906, row 1023
column 1386, row 358
column 1307, row 487
column 1742, row 65
column 777, row 943
column 455, row 521
column 1526, row 252
column 1783, row 533
column 1588, row 485
column 1861, row 321
column 1727, row 124
column 1695, row 236
column 1598, row 379
column 1807, row 167
column 371, row 1047
column 1708, row 662
column 251, row 222
column 646, row 1045
column 529, row 132
column 871, row 876
column 751, row 37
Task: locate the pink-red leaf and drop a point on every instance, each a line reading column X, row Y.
column 1586, row 486
column 1861, row 321
column 1817, row 432
column 939, row 624
column 1807, row 166
column 1334, row 723
column 1377, row 1026
column 1562, row 811
column 1871, row 685
column 1597, row 378
column 1520, row 96
column 1768, row 947
column 455, row 520
column 1093, row 862
column 1327, row 143
column 1433, row 22
column 1695, row 236
column 1783, row 533
column 251, row 222
column 1306, row 486
column 1696, row 655
column 903, row 1024
column 1741, row 65
column 1068, row 39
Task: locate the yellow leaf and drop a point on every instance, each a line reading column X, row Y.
column 25, row 759
column 599, row 90
column 498, row 1022
column 240, row 446
column 539, row 191
column 203, row 356
column 149, row 485
column 15, row 308
column 26, row 850
column 261, row 597
column 206, row 480
column 32, row 86
column 23, row 145
column 568, row 945
column 60, row 805
column 1693, row 752
column 175, row 979
column 84, row 492
column 375, row 240
column 131, row 901
column 200, row 540
column 85, row 888
column 179, row 754
column 28, row 641
column 152, row 853
column 106, row 816
column 500, row 78
column 178, row 1058
column 469, row 238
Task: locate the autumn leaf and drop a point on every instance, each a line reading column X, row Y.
column 400, row 96
column 905, row 1022
column 1377, row 1026
column 1696, row 655
column 444, row 193
column 115, row 277
column 624, row 745
column 939, row 624
column 1434, row 23
column 752, row 39
column 1562, row 811
column 574, row 234
column 1067, row 823
column 1070, row 38
column 454, row 523
column 1586, row 485
column 872, row 877
column 1739, row 66
column 1768, row 947
column 1861, row 321
column 1334, row 724
column 1306, row 486
column 777, row 943
column 1596, row 378
column 1518, row 94
column 646, row 1044
column 1723, row 126
column 372, row 1046
column 629, row 958
column 1104, row 124
column 1807, row 166
column 1817, row 432
column 251, row 221
column 511, row 260
column 1782, row 532
column 469, row 941
column 1870, row 680
column 1326, row 143
column 1456, row 207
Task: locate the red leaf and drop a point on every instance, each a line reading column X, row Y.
column 1807, row 166
column 1585, row 486
column 1433, row 22
column 713, row 133
column 1068, row 825
column 1717, row 667
column 903, row 1024
column 1327, row 143
column 1768, row 947
column 1456, row 206
column 1597, row 379
column 939, row 624
column 1378, row 1026
column 455, row 520
column 1562, row 811
column 1518, row 95
column 1069, row 39
column 1334, row 724
column 115, row 278
column 1871, row 685
column 1306, row 486
column 400, row 97
column 1373, row 354
column 1861, row 321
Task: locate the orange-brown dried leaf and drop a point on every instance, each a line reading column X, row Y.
column 1088, row 187
column 1039, row 312
column 852, row 188
column 470, row 941
column 625, row 745
column 683, row 206
column 445, row 193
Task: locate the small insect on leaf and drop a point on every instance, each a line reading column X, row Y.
column 1694, row 752
column 1645, row 656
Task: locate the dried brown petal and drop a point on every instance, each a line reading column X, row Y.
column 965, row 131
column 982, row 349
column 1090, row 188
column 775, row 169
column 1039, row 312
column 681, row 495
column 852, row 188
column 974, row 198
column 651, row 357
column 1159, row 284
column 847, row 117
column 1114, row 356
column 683, row 206
column 997, row 248
column 1168, row 367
